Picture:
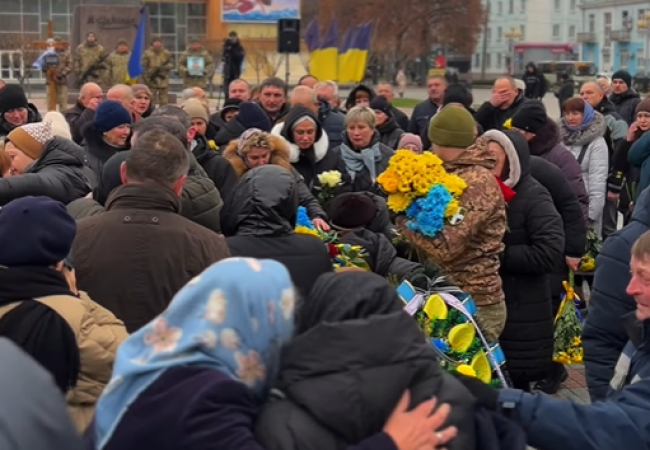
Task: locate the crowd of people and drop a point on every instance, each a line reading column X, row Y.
column 150, row 264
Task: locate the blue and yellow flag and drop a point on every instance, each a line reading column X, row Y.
column 323, row 62
column 344, row 72
column 134, row 68
column 360, row 51
column 312, row 36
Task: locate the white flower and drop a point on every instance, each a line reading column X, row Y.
column 287, row 302
column 230, row 339
column 215, row 310
column 330, row 178
column 208, row 339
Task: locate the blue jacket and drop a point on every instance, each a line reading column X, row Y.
column 639, row 156
column 619, row 422
column 604, row 336
column 333, row 122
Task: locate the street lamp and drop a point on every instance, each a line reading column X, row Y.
column 644, row 27
column 512, row 35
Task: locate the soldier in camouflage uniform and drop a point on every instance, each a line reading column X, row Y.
column 468, row 248
column 89, row 61
column 194, row 75
column 61, row 75
column 157, row 62
column 117, row 64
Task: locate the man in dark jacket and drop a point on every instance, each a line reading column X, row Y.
column 251, row 115
column 624, row 97
column 535, row 82
column 331, row 117
column 15, row 110
column 386, row 90
column 423, row 112
column 270, row 193
column 273, row 99
column 504, row 102
column 604, row 336
column 565, row 91
column 83, row 112
column 133, row 258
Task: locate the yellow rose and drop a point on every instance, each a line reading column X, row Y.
column 399, row 202
column 330, row 178
column 388, row 181
column 466, row 370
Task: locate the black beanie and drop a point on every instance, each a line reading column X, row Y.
column 530, row 117
column 623, row 75
column 232, row 104
column 380, row 103
column 251, row 115
column 457, row 93
column 12, row 96
column 352, row 210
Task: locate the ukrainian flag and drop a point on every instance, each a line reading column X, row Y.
column 323, row 61
column 134, row 68
column 344, row 73
column 360, row 51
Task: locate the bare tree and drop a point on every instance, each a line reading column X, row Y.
column 23, row 54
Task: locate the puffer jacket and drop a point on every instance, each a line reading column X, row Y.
column 340, row 379
column 58, row 174
column 99, row 334
column 625, row 104
column 261, row 220
column 279, row 157
column 32, row 116
column 390, row 133
column 534, row 242
column 474, row 245
column 201, row 201
column 594, row 165
column 547, row 145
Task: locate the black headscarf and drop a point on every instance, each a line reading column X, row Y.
column 111, row 177
column 339, row 297
column 35, row 327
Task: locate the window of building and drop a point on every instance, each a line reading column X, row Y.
column 592, row 23
column 572, row 32
column 572, row 5
column 499, row 60
column 499, row 34
column 556, row 31
column 488, row 34
column 607, row 28
column 640, row 14
column 477, row 60
column 625, row 59
column 511, row 7
column 607, row 61
column 640, row 59
column 522, row 30
column 523, row 6
column 558, row 5
column 500, row 8
column 488, row 60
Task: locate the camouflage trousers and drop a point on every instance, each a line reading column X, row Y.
column 492, row 320
column 199, row 82
column 61, row 96
column 159, row 96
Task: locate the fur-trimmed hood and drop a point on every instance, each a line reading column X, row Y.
column 319, row 148
column 279, row 155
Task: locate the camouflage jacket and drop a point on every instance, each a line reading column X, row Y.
column 203, row 53
column 84, row 57
column 64, row 68
column 117, row 67
column 156, row 65
column 469, row 252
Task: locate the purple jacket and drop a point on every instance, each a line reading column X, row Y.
column 547, row 145
column 196, row 408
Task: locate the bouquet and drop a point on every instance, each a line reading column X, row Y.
column 329, row 181
column 419, row 186
column 567, row 345
column 343, row 255
column 594, row 246
column 447, row 318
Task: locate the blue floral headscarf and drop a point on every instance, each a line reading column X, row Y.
column 234, row 318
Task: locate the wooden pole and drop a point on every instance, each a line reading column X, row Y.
column 51, row 74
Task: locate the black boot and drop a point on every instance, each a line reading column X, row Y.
column 553, row 382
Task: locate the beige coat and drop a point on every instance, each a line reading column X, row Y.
column 99, row 333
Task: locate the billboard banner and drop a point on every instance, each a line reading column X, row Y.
column 251, row 11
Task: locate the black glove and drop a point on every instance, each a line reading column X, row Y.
column 486, row 396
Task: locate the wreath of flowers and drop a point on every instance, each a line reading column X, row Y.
column 343, row 255
column 419, row 186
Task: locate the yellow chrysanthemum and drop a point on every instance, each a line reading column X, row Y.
column 455, row 185
column 399, row 202
column 452, row 208
column 404, row 186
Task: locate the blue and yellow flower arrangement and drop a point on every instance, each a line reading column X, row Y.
column 419, row 186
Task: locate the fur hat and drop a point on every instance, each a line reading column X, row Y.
column 452, row 127
column 60, row 126
column 31, row 138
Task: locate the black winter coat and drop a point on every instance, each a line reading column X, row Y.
column 78, row 117
column 261, row 221
column 333, row 122
column 535, row 82
column 625, row 104
column 97, row 152
column 491, row 118
column 314, row 161
column 565, row 92
column 32, row 116
column 361, row 181
column 534, row 242
column 339, row 380
column 229, row 132
column 390, row 133
column 604, row 335
column 216, row 167
column 58, row 174
column 567, row 205
column 400, row 117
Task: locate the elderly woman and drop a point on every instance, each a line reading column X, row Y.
column 256, row 148
column 309, row 150
column 142, row 103
column 364, row 156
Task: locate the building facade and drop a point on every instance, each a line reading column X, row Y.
column 543, row 30
column 610, row 35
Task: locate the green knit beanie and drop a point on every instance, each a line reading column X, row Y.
column 452, row 127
